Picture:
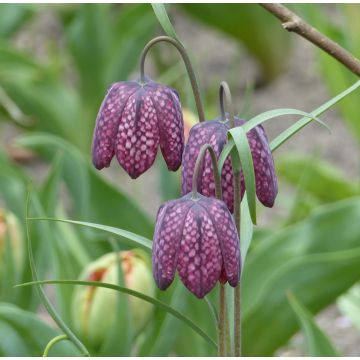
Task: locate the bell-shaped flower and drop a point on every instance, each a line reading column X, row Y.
column 215, row 133
column 133, row 120
column 198, row 238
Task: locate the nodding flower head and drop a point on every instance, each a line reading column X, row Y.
column 197, row 237
column 215, row 133
column 133, row 120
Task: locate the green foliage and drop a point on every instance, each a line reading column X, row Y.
column 54, row 101
column 307, row 259
column 259, row 32
column 317, row 343
column 25, row 334
column 349, row 305
column 335, row 75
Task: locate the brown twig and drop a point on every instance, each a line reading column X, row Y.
column 292, row 22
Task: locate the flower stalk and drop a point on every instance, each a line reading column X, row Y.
column 225, row 94
column 222, row 331
column 187, row 62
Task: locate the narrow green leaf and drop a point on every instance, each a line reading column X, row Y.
column 134, row 238
column 34, row 332
column 289, row 132
column 242, row 144
column 163, row 18
column 53, row 342
column 246, row 230
column 225, row 153
column 121, row 325
column 349, row 305
column 131, row 292
column 46, row 302
column 271, row 114
column 318, row 344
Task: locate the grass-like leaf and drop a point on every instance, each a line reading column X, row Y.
column 129, row 237
column 163, row 18
column 318, row 344
column 131, row 292
column 46, row 302
column 271, row 114
column 242, row 144
column 292, row 130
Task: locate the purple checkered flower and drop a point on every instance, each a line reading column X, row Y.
column 215, row 133
column 197, row 237
column 133, row 120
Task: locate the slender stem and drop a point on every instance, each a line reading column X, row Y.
column 227, row 332
column 46, row 302
column 222, row 300
column 188, row 66
column 198, row 167
column 52, row 342
column 292, row 22
column 237, row 290
column 222, row 322
column 225, row 93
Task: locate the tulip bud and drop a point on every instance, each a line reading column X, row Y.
column 11, row 239
column 94, row 308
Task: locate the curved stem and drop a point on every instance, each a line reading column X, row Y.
column 188, row 66
column 222, row 321
column 52, row 342
column 237, row 290
column 225, row 93
column 198, row 165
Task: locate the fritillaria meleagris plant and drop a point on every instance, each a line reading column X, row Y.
column 197, row 236
column 138, row 116
column 214, row 132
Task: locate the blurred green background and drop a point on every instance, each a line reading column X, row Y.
column 56, row 62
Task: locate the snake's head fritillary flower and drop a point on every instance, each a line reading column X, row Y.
column 198, row 238
column 133, row 120
column 215, row 133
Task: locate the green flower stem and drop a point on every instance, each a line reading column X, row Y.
column 222, row 299
column 237, row 290
column 222, row 322
column 52, row 342
column 46, row 302
column 198, row 167
column 225, row 94
column 188, row 66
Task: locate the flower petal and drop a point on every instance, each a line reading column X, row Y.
column 167, row 237
column 229, row 241
column 107, row 122
column 199, row 135
column 171, row 124
column 265, row 177
column 138, row 137
column 199, row 262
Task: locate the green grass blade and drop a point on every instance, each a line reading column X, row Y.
column 242, row 144
column 133, row 239
column 163, row 18
column 318, row 344
column 144, row 297
column 271, row 114
column 46, row 302
column 289, row 132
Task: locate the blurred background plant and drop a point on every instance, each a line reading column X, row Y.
column 56, row 62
